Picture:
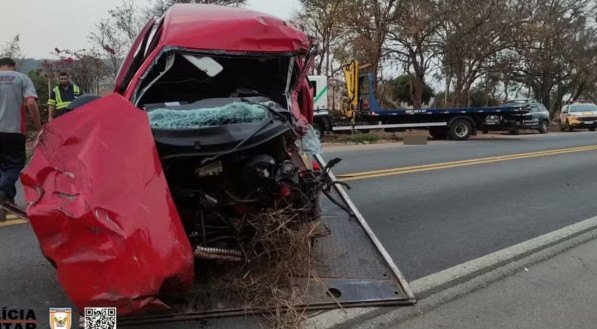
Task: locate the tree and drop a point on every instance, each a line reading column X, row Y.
column 88, row 70
column 12, row 49
column 40, row 83
column 370, row 22
column 115, row 34
column 128, row 19
column 555, row 48
column 483, row 93
column 472, row 35
column 413, row 40
column 85, row 67
column 112, row 45
column 403, row 87
column 323, row 19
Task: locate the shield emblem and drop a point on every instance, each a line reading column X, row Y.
column 60, row 318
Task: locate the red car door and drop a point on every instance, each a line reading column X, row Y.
column 100, row 206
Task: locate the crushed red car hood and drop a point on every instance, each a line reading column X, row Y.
column 231, row 29
column 102, row 211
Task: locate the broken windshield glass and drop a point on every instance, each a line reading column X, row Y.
column 183, row 117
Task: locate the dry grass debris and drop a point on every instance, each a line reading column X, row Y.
column 279, row 266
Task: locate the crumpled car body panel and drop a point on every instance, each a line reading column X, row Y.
column 202, row 27
column 100, row 206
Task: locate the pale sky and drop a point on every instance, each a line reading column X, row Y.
column 46, row 24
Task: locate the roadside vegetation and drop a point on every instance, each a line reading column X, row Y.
column 474, row 53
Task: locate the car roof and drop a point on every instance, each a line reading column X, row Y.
column 209, row 27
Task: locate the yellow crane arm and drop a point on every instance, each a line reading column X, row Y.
column 351, row 75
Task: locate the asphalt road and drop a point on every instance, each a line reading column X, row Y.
column 428, row 220
column 436, row 219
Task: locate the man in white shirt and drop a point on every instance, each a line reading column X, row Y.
column 16, row 92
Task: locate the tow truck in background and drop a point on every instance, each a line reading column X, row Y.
column 362, row 111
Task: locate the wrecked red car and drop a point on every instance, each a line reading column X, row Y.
column 209, row 121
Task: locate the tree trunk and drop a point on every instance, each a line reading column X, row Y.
column 418, row 85
column 447, row 90
column 581, row 87
column 506, row 85
column 545, row 98
column 460, row 98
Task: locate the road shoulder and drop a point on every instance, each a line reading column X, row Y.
column 448, row 285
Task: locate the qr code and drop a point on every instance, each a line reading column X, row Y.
column 100, row 317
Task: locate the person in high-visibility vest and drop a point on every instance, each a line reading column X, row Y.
column 61, row 96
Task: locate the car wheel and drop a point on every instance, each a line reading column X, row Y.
column 569, row 128
column 460, row 130
column 543, row 127
column 592, row 128
column 514, row 131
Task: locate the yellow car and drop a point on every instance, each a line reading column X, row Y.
column 578, row 115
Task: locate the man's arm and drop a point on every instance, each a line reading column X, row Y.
column 34, row 112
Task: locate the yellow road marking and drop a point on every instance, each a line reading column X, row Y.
column 461, row 163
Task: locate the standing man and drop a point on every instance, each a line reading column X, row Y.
column 61, row 96
column 16, row 91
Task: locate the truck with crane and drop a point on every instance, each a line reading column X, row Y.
column 362, row 111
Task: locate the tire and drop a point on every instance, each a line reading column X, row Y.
column 485, row 131
column 460, row 129
column 592, row 128
column 569, row 128
column 438, row 132
column 543, row 127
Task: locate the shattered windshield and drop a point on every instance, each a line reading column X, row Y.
column 206, row 113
